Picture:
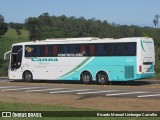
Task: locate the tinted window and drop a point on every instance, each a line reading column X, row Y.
column 92, row 50
column 72, row 50
column 34, row 51
column 16, row 57
column 128, row 49
column 55, row 50
column 100, row 51
column 109, row 49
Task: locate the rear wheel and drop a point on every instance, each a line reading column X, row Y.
column 86, row 78
column 102, row 78
column 28, row 76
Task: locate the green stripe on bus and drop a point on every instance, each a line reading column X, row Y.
column 142, row 46
column 78, row 66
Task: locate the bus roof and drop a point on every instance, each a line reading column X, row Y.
column 83, row 40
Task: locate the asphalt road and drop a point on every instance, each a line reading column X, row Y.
column 146, row 89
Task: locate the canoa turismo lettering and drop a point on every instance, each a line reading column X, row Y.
column 34, row 59
column 146, row 41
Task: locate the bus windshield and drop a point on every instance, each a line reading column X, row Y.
column 16, row 57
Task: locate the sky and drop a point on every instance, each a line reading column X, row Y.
column 123, row 12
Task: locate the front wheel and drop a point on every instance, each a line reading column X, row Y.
column 28, row 76
column 102, row 78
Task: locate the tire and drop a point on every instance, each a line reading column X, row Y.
column 102, row 78
column 86, row 78
column 28, row 77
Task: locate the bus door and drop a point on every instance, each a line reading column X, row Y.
column 16, row 57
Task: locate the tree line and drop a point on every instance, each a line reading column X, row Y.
column 46, row 26
column 3, row 26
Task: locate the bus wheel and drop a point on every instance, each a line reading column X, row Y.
column 102, row 78
column 28, row 76
column 86, row 77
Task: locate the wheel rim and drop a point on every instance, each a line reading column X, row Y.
column 102, row 79
column 86, row 78
column 28, row 76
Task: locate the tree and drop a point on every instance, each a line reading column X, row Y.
column 1, row 19
column 3, row 26
column 32, row 24
column 156, row 20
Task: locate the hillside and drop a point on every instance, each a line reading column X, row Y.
column 6, row 41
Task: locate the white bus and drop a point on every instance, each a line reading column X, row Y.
column 84, row 59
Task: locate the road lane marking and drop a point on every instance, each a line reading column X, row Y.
column 153, row 95
column 45, row 90
column 8, row 87
column 69, row 91
column 117, row 94
column 20, row 89
column 3, row 80
column 83, row 93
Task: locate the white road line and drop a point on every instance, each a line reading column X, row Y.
column 3, row 80
column 126, row 93
column 83, row 93
column 45, row 89
column 8, row 87
column 20, row 89
column 153, row 95
column 69, row 91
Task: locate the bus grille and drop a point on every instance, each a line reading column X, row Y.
column 129, row 72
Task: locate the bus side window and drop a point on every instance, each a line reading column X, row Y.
column 108, row 49
column 132, row 49
column 55, row 50
column 128, row 49
column 29, row 51
column 50, row 49
column 117, row 49
column 73, row 49
column 65, row 49
column 46, row 51
column 83, row 49
column 92, row 50
column 125, row 49
column 100, row 50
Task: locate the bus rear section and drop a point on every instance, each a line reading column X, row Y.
column 146, row 58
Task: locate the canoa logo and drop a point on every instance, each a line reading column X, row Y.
column 44, row 59
column 146, row 41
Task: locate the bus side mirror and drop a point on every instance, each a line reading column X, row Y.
column 7, row 55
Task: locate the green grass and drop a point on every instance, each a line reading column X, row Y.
column 32, row 107
column 10, row 38
column 11, row 33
